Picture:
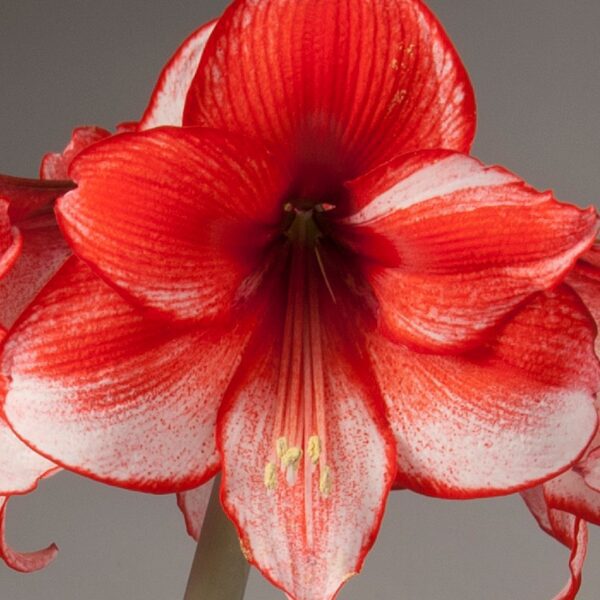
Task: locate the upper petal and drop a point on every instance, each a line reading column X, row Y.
column 11, row 240
column 585, row 280
column 55, row 165
column 168, row 97
column 450, row 246
column 344, row 84
column 306, row 542
column 177, row 219
column 115, row 396
column 44, row 251
column 500, row 418
column 30, row 196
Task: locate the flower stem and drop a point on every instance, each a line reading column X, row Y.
column 219, row 570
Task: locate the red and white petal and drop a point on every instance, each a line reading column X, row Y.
column 571, row 494
column 590, row 469
column 44, row 251
column 568, row 530
column 453, row 246
column 178, row 219
column 11, row 240
column 21, row 469
column 342, row 84
column 193, row 505
column 168, row 98
column 26, row 562
column 100, row 389
column 305, row 542
column 56, row 165
column 501, row 418
column 30, row 196
column 585, row 280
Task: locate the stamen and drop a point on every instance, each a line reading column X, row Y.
column 291, row 462
column 325, row 482
column 322, row 269
column 314, row 448
column 291, row 457
column 282, row 446
column 270, row 478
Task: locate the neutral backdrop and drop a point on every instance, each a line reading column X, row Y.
column 535, row 65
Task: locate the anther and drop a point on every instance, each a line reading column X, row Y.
column 314, row 448
column 325, row 482
column 290, row 462
column 281, row 446
column 270, row 477
column 291, row 457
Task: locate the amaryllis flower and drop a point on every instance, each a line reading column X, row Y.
column 564, row 504
column 312, row 288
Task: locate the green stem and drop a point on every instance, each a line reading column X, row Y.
column 219, row 570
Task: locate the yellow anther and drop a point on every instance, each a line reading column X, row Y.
column 291, row 457
column 281, row 446
column 325, row 482
column 314, row 448
column 270, row 478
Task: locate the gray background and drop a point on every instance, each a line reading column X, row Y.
column 535, row 65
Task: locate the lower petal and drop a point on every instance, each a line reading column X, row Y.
column 113, row 395
column 570, row 493
column 569, row 530
column 20, row 471
column 307, row 538
column 504, row 417
column 193, row 505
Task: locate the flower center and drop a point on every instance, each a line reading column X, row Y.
column 300, row 427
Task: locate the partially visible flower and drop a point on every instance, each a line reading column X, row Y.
column 563, row 505
column 31, row 251
column 37, row 251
